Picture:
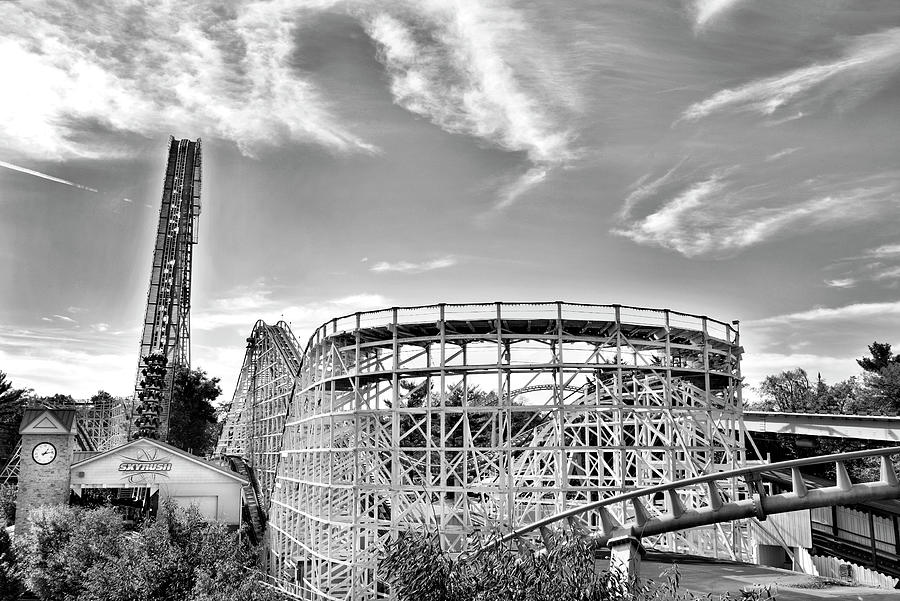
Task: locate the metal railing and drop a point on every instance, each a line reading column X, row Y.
column 759, row 504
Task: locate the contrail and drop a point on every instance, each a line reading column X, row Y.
column 45, row 176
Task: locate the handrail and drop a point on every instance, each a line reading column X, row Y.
column 672, row 486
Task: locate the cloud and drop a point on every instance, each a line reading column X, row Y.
column 841, row 283
column 409, row 267
column 646, row 188
column 65, row 319
column 781, row 154
column 510, row 193
column 878, row 264
column 720, row 214
column 892, row 273
column 465, row 67
column 705, row 11
column 246, row 305
column 825, row 314
column 867, row 64
column 45, row 176
column 221, row 70
column 886, row 250
column 55, row 359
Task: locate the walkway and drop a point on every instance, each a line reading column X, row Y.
column 703, row 576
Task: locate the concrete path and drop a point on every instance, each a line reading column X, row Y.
column 702, row 576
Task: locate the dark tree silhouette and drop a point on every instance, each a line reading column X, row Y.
column 881, row 357
column 12, row 407
column 192, row 416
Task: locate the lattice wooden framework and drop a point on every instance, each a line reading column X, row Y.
column 478, row 418
column 101, row 422
column 255, row 421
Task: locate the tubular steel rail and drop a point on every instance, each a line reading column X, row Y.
column 759, row 505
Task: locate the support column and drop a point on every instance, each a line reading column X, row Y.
column 625, row 554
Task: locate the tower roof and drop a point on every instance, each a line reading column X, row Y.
column 48, row 421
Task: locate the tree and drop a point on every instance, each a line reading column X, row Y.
column 12, row 407
column 192, row 416
column 62, row 544
column 880, row 394
column 880, row 359
column 788, row 392
column 10, row 587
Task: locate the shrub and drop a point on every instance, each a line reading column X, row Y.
column 10, row 587
column 8, row 504
column 78, row 554
column 62, row 544
column 416, row 568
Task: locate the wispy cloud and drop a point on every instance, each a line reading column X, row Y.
column 54, row 358
column 719, row 214
column 460, row 65
column 510, row 193
column 868, row 63
column 223, row 71
column 647, row 187
column 247, row 304
column 880, row 264
column 781, row 154
column 411, row 267
column 841, row 283
column 886, row 250
column 45, row 176
column 828, row 314
column 706, row 11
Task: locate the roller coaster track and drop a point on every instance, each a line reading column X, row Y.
column 251, row 498
column 718, row 509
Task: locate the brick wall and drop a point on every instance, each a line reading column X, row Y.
column 43, row 484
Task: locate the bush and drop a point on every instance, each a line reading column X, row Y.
column 416, row 568
column 78, row 554
column 10, row 587
column 8, row 504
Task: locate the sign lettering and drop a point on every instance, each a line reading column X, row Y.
column 144, row 467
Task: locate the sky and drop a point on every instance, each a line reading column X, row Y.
column 733, row 158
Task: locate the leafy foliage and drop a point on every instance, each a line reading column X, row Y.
column 10, row 587
column 878, row 393
column 416, row 568
column 76, row 554
column 192, row 416
column 881, row 357
column 62, row 544
column 8, row 504
column 12, row 407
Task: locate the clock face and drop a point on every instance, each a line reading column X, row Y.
column 43, row 453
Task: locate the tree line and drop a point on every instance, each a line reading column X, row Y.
column 193, row 424
column 877, row 392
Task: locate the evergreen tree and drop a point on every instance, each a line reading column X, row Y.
column 880, row 359
column 192, row 416
column 12, row 407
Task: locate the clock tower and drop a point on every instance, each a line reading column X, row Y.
column 48, row 444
